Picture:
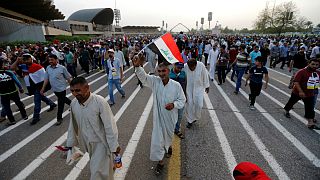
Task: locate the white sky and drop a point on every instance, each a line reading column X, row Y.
column 232, row 13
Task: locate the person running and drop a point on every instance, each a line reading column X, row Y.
column 168, row 97
column 256, row 75
column 115, row 75
column 57, row 75
column 305, row 82
column 8, row 92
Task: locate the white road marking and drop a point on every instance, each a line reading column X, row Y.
column 228, row 155
column 133, row 142
column 256, row 140
column 279, row 72
column 304, row 150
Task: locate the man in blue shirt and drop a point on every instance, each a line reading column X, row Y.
column 115, row 75
column 177, row 74
column 254, row 54
column 284, row 51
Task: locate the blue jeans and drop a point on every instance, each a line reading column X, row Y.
column 37, row 98
column 180, row 114
column 240, row 71
column 117, row 83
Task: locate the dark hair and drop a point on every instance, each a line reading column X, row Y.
column 1, row 63
column 223, row 46
column 78, row 80
column 242, row 46
column 314, row 60
column 163, row 65
column 53, row 56
column 258, row 59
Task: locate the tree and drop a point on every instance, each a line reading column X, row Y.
column 318, row 26
column 279, row 19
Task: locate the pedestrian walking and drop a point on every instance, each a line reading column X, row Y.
column 242, row 61
column 8, row 92
column 168, row 97
column 115, row 75
column 255, row 75
column 222, row 63
column 306, row 81
column 58, row 76
column 197, row 84
column 93, row 127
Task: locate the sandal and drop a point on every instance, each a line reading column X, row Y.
column 158, row 169
column 314, row 127
column 179, row 134
column 169, row 153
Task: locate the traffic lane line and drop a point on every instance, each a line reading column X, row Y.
column 174, row 164
column 275, row 166
column 304, row 150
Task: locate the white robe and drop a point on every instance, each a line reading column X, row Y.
column 93, row 127
column 152, row 59
column 212, row 58
column 163, row 120
column 197, row 82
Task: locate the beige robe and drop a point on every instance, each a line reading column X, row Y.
column 93, row 128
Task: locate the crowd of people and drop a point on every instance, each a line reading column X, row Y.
column 178, row 89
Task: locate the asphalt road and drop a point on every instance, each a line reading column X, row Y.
column 228, row 133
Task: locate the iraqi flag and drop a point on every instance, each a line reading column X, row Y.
column 36, row 73
column 166, row 49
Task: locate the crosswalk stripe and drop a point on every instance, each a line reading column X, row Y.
column 128, row 154
column 279, row 72
column 256, row 140
column 224, row 143
column 304, row 150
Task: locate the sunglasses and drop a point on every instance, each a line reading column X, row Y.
column 159, row 71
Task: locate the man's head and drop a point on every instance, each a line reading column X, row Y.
column 111, row 53
column 256, row 48
column 27, row 59
column 314, row 64
column 178, row 67
column 192, row 64
column 249, row 171
column 302, row 49
column 163, row 71
column 187, row 50
column 53, row 59
column 258, row 61
column 222, row 48
column 242, row 47
column 80, row 89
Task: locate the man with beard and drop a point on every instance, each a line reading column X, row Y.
column 168, row 98
column 93, row 127
column 305, row 82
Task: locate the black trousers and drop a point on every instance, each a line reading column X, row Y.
column 308, row 105
column 221, row 73
column 62, row 99
column 206, row 55
column 255, row 89
column 5, row 101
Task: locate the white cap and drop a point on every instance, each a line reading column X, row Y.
column 111, row 50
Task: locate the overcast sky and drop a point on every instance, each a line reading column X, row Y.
column 232, row 13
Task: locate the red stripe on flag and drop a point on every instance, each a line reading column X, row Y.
column 171, row 44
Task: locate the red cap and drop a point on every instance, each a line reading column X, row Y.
column 249, row 171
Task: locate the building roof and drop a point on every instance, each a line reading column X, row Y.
column 140, row 27
column 43, row 10
column 103, row 16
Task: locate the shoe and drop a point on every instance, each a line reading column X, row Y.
column 51, row 108
column 287, row 114
column 169, row 153
column 123, row 96
column 111, row 104
column 25, row 117
column 211, row 79
column 232, row 80
column 189, row 125
column 34, row 121
column 236, row 92
column 11, row 123
column 2, row 119
column 141, row 85
column 219, row 83
column 158, row 169
column 179, row 134
column 59, row 121
column 252, row 107
column 314, row 127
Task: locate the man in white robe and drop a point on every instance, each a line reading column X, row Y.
column 213, row 56
column 168, row 97
column 93, row 128
column 197, row 83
